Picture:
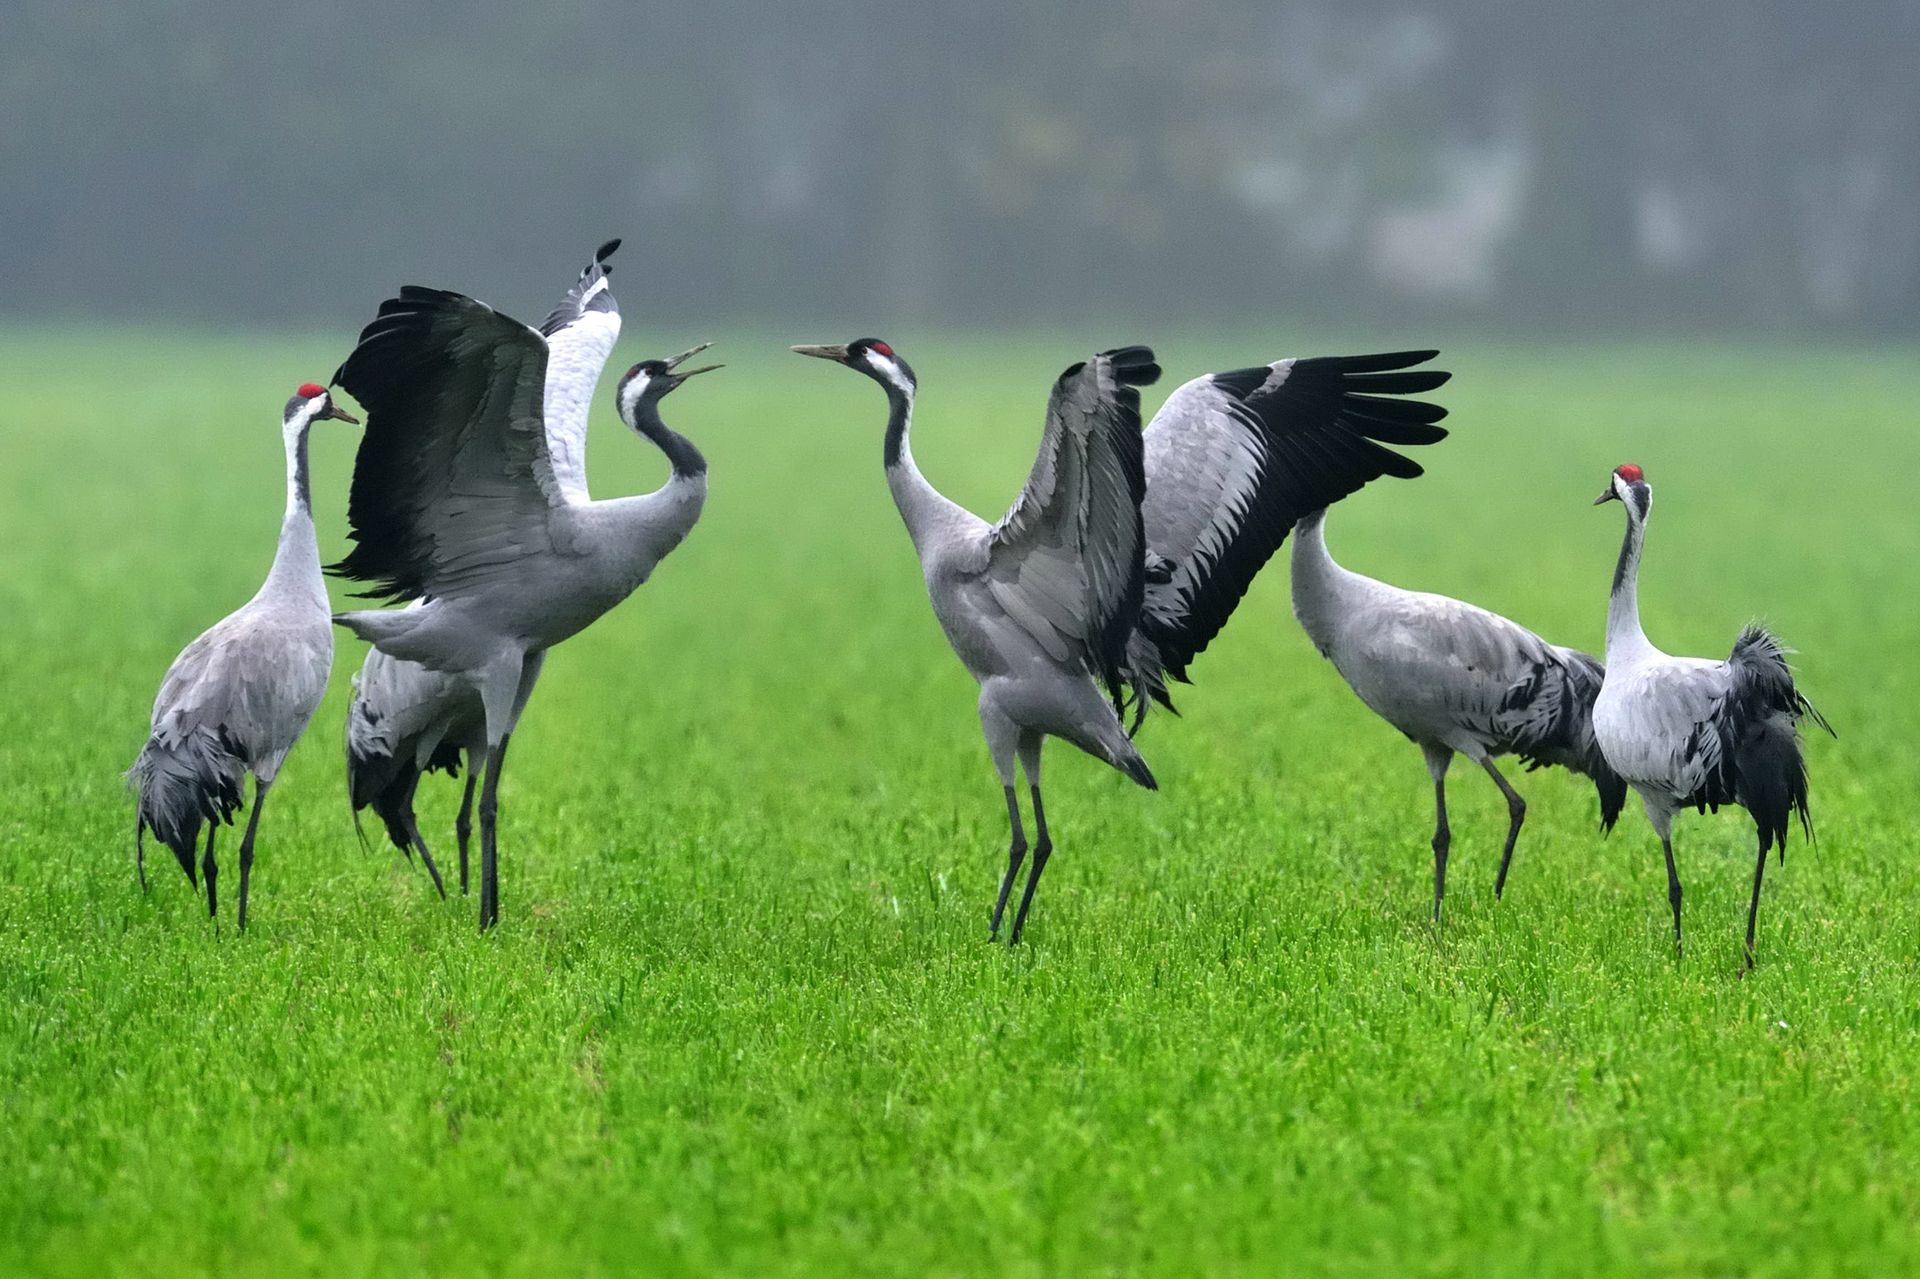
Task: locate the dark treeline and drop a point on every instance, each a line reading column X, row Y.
column 1726, row 164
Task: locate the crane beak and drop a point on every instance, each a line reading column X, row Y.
column 681, row 375
column 1608, row 496
column 836, row 352
column 684, row 356
column 338, row 414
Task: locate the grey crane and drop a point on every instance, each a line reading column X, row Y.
column 237, row 699
column 404, row 721
column 1689, row 732
column 1453, row 678
column 1123, row 557
column 470, row 495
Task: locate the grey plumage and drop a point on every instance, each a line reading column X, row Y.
column 1454, row 678
column 1686, row 732
column 470, row 495
column 237, row 699
column 406, row 721
column 1234, row 459
column 1123, row 556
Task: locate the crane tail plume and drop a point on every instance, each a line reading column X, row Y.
column 182, row 782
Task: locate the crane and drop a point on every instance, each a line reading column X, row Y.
column 1123, row 557
column 1689, row 732
column 406, row 720
column 1454, row 679
column 237, row 699
column 470, row 495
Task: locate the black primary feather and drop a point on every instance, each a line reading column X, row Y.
column 1321, row 434
column 571, row 307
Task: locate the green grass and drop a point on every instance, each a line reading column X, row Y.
column 741, row 1016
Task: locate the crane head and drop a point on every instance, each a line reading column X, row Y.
column 313, row 403
column 1627, row 484
column 870, row 356
column 651, row 379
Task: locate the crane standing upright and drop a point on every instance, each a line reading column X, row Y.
column 1123, row 557
column 1453, row 678
column 237, row 699
column 470, row 495
column 1689, row 732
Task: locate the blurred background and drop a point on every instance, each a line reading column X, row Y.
column 1634, row 165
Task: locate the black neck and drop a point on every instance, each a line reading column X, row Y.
column 301, row 493
column 899, row 410
column 1623, row 567
column 686, row 460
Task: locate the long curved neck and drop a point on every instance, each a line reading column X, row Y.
column 688, row 462
column 1318, row 583
column 296, row 562
column 921, row 505
column 1624, row 634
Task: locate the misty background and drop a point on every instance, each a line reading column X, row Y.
column 1717, row 166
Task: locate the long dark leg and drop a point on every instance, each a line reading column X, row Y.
column 209, row 871
column 246, row 846
column 1043, row 845
column 140, row 851
column 1016, row 853
column 1753, row 908
column 1516, row 814
column 463, row 824
column 413, row 834
column 1438, row 759
column 1673, row 889
column 489, row 833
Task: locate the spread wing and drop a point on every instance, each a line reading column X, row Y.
column 1067, row 563
column 1233, row 459
column 453, row 483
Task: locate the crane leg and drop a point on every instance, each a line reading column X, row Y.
column 1516, row 814
column 246, row 846
column 489, row 830
column 463, row 824
column 140, row 851
column 1753, row 907
column 1030, row 743
column 413, row 835
column 1673, row 890
column 1439, row 758
column 1016, row 853
column 209, row 871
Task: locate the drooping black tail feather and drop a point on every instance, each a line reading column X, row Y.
column 1547, row 719
column 1765, row 709
column 182, row 782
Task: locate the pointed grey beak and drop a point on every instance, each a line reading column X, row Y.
column 684, row 356
column 337, row 414
column 836, row 352
column 681, row 375
column 1608, row 496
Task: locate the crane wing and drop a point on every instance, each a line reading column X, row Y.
column 453, row 483
column 1233, row 459
column 580, row 334
column 1067, row 563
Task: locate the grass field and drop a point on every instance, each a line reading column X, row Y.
column 741, row 1015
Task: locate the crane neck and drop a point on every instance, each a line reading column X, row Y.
column 296, row 561
column 921, row 505
column 687, row 461
column 1625, row 638
column 1319, row 584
